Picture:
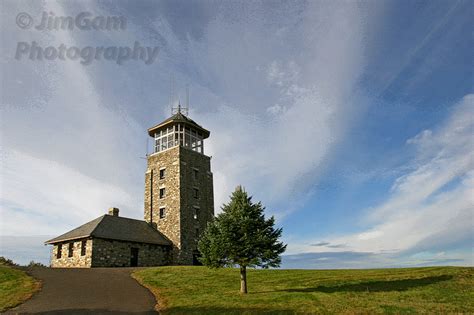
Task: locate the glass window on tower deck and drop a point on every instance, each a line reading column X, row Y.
column 179, row 134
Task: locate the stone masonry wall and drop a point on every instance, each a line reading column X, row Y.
column 112, row 253
column 179, row 224
column 195, row 174
column 170, row 224
column 77, row 260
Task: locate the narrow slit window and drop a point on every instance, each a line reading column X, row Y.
column 162, row 193
column 162, row 173
column 196, row 193
column 59, row 251
column 196, row 213
column 195, row 174
column 162, row 213
column 70, row 250
column 83, row 248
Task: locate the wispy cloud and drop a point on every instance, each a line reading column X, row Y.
column 431, row 206
column 279, row 93
column 278, row 142
column 275, row 114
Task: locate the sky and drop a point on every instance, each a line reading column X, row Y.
column 352, row 122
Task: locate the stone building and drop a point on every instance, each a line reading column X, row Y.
column 178, row 204
column 111, row 241
column 179, row 198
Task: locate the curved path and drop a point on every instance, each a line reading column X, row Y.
column 87, row 291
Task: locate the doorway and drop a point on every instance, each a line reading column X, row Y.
column 196, row 256
column 133, row 257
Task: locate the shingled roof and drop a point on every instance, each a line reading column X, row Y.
column 178, row 118
column 115, row 228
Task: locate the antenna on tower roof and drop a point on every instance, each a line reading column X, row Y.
column 187, row 96
column 171, row 92
column 180, row 109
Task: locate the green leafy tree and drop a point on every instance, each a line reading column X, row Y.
column 241, row 235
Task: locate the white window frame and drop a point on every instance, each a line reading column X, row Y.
column 179, row 134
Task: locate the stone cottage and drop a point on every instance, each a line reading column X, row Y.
column 179, row 203
column 111, row 241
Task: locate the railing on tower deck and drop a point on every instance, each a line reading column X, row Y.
column 179, row 134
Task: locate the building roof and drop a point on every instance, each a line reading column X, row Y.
column 115, row 228
column 179, row 117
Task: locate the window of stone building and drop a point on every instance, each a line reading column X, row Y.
column 59, row 251
column 196, row 193
column 83, row 248
column 162, row 193
column 70, row 249
column 195, row 173
column 162, row 173
column 162, row 213
column 197, row 232
column 196, row 213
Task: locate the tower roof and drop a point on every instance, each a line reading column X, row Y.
column 115, row 228
column 178, row 118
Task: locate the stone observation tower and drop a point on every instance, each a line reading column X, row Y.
column 178, row 185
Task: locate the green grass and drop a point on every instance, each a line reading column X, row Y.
column 199, row 290
column 15, row 287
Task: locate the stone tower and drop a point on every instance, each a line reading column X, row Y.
column 179, row 198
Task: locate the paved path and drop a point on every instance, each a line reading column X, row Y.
column 87, row 291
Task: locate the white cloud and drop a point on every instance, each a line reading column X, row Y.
column 68, row 117
column 285, row 102
column 67, row 155
column 431, row 207
column 45, row 197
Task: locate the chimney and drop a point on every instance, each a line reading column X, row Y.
column 114, row 212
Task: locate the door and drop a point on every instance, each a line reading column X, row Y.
column 133, row 257
column 196, row 256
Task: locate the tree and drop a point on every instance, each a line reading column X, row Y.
column 241, row 235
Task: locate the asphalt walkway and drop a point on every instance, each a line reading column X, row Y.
column 87, row 291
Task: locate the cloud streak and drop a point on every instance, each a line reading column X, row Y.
column 431, row 206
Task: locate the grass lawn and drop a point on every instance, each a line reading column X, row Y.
column 199, row 290
column 15, row 287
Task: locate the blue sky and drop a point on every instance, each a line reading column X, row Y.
column 351, row 121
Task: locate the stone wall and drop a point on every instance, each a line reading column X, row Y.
column 195, row 173
column 170, row 224
column 112, row 253
column 109, row 253
column 179, row 224
column 77, row 260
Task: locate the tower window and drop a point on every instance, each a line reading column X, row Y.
column 162, row 213
column 195, row 173
column 59, row 251
column 193, row 140
column 165, row 139
column 162, row 193
column 70, row 250
column 196, row 213
column 83, row 248
column 196, row 193
column 162, row 173
column 197, row 232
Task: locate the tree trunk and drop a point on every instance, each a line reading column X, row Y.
column 243, row 279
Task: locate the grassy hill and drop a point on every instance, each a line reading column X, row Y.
column 15, row 287
column 198, row 290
